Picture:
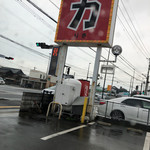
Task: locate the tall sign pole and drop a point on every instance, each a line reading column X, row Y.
column 147, row 79
column 61, row 63
column 94, row 81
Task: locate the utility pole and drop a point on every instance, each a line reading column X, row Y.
column 103, row 89
column 147, row 79
column 88, row 71
column 133, row 81
column 113, row 78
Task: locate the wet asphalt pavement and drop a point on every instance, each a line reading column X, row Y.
column 18, row 133
column 13, row 92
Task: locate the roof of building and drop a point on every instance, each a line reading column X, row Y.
column 13, row 70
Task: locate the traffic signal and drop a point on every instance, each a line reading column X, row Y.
column 9, row 58
column 40, row 44
column 43, row 45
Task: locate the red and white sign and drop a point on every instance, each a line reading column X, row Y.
column 86, row 22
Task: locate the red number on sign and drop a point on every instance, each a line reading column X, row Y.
column 55, row 51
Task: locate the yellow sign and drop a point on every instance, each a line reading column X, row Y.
column 109, row 88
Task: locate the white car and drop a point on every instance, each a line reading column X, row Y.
column 50, row 90
column 2, row 81
column 135, row 110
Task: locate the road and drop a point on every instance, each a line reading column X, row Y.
column 36, row 134
column 14, row 93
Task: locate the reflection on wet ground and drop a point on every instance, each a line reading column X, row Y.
column 25, row 133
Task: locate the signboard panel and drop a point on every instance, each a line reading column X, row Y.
column 109, row 69
column 86, row 22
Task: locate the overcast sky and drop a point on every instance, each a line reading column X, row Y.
column 21, row 22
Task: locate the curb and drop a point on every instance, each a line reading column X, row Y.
column 104, row 123
column 6, row 107
column 134, row 130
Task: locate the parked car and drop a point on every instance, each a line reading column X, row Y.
column 131, row 109
column 50, row 90
column 2, row 80
column 142, row 96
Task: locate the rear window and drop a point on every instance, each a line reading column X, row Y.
column 146, row 105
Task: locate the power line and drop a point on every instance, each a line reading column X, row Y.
column 132, row 31
column 34, row 5
column 54, row 4
column 35, row 15
column 131, row 36
column 24, row 22
column 134, row 27
column 27, row 48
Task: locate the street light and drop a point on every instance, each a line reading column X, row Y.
column 116, row 50
column 88, row 71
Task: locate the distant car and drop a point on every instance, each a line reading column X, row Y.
column 2, row 81
column 131, row 109
column 106, row 96
column 142, row 96
column 50, row 90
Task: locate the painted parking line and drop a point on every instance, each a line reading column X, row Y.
column 64, row 132
column 147, row 142
column 6, row 107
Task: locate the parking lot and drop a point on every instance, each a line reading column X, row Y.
column 37, row 134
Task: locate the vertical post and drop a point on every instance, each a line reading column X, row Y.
column 112, row 82
column 94, row 81
column 60, row 66
column 147, row 79
column 130, row 85
column 105, row 76
column 84, row 109
column 113, row 78
column 88, row 71
column 132, row 81
column 141, row 87
column 49, row 60
column 61, row 63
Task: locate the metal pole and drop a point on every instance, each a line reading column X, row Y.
column 113, row 78
column 130, row 86
column 94, row 82
column 112, row 81
column 88, row 71
column 141, row 87
column 147, row 79
column 49, row 61
column 133, row 81
column 105, row 76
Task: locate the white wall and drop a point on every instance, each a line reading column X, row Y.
column 37, row 74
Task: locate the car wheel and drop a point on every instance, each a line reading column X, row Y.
column 117, row 115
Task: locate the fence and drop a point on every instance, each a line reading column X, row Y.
column 133, row 114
